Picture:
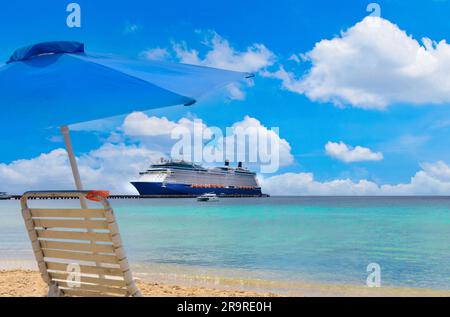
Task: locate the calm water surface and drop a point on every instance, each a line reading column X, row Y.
column 325, row 240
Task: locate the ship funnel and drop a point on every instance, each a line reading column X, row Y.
column 239, row 164
column 227, row 163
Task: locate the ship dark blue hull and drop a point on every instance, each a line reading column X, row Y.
column 157, row 189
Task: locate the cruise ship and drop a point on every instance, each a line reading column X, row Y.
column 180, row 178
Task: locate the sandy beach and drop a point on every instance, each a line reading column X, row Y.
column 28, row 283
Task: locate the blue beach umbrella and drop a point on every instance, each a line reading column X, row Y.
column 58, row 83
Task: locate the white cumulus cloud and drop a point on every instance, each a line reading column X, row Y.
column 373, row 65
column 109, row 167
column 243, row 141
column 138, row 124
column 433, row 179
column 438, row 170
column 219, row 53
column 252, row 142
column 349, row 154
column 156, row 54
column 304, row 184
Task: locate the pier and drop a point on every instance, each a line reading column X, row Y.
column 112, row 197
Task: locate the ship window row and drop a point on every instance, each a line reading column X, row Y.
column 225, row 180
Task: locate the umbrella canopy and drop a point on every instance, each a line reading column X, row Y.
column 58, row 83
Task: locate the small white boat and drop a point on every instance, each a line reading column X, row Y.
column 208, row 197
column 4, row 196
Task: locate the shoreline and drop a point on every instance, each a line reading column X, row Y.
column 28, row 283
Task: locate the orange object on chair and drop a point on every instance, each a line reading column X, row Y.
column 93, row 195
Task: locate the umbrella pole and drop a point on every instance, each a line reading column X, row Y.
column 73, row 163
column 76, row 175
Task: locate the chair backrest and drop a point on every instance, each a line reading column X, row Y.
column 79, row 251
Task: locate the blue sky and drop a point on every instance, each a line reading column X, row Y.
column 408, row 127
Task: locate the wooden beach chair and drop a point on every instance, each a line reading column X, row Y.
column 79, row 251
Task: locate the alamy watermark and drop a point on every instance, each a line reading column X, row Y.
column 374, row 9
column 374, row 277
column 250, row 144
column 73, row 275
column 74, row 18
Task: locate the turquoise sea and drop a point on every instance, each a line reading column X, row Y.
column 275, row 242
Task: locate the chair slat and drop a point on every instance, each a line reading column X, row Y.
column 70, row 235
column 71, row 224
column 96, row 288
column 89, row 257
column 73, row 246
column 92, row 280
column 84, row 293
column 67, row 213
column 85, row 269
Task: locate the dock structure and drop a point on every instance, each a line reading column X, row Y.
column 18, row 197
